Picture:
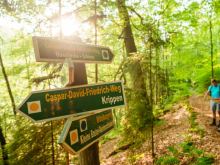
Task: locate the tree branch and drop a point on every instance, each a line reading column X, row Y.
column 8, row 85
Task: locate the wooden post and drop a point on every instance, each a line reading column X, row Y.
column 90, row 156
column 4, row 151
column 52, row 142
column 78, row 76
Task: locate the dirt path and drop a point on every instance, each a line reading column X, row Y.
column 173, row 131
column 211, row 141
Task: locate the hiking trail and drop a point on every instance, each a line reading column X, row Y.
column 174, row 130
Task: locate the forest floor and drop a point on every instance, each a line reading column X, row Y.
column 176, row 128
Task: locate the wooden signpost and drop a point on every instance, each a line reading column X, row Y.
column 80, row 133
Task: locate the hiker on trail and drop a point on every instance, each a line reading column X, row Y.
column 214, row 92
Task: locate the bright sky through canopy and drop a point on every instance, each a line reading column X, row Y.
column 71, row 26
column 69, row 23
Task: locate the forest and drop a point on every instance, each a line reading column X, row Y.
column 158, row 58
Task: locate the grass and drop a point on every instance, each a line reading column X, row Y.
column 111, row 135
column 194, row 126
column 167, row 160
column 132, row 159
column 205, row 160
column 159, row 122
column 189, row 152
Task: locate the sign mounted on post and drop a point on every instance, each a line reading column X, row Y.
column 79, row 134
column 61, row 103
column 48, row 49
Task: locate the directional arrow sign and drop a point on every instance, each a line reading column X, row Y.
column 61, row 103
column 79, row 134
column 48, row 49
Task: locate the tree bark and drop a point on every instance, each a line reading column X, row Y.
column 137, row 76
column 127, row 31
column 8, row 85
column 144, row 114
column 52, row 143
column 4, row 152
column 157, row 75
column 211, row 46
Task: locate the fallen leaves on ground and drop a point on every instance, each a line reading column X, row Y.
column 174, row 131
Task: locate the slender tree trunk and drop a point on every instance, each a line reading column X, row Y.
column 165, row 66
column 151, row 100
column 52, row 143
column 150, row 75
column 167, row 78
column 8, row 85
column 4, row 151
column 157, row 75
column 67, row 158
column 211, row 46
column 27, row 61
column 163, row 93
column 44, row 151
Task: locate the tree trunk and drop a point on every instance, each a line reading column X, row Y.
column 150, row 74
column 136, row 73
column 127, row 31
column 4, row 152
column 8, row 85
column 157, row 75
column 52, row 143
column 211, row 46
column 140, row 103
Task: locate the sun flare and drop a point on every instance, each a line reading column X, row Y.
column 70, row 26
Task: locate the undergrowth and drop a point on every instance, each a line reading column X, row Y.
column 194, row 126
column 186, row 153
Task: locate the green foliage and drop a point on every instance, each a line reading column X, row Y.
column 180, row 90
column 173, row 44
column 187, row 147
column 167, row 160
column 173, row 150
column 194, row 126
column 188, row 151
column 159, row 122
column 192, row 119
column 137, row 120
column 111, row 135
column 205, row 160
column 136, row 157
column 33, row 143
